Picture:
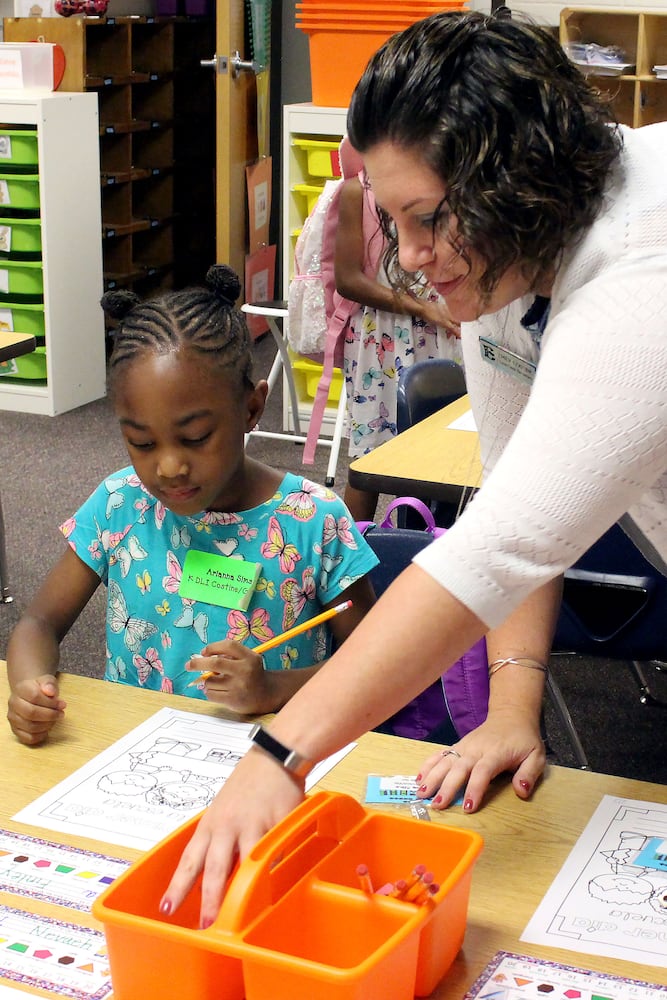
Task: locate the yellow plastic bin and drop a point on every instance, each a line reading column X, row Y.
column 295, row 922
column 321, row 156
column 18, row 147
column 19, row 191
column 307, row 376
column 310, row 192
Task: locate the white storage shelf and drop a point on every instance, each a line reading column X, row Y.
column 71, row 233
column 303, row 120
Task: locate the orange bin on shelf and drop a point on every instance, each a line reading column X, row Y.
column 295, row 922
column 342, row 36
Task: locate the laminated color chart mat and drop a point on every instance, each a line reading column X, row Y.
column 148, row 783
column 55, row 956
column 54, row 873
column 520, row 977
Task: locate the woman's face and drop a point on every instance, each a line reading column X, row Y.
column 411, row 192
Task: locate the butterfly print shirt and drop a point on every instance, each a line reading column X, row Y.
column 308, row 546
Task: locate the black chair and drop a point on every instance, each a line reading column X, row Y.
column 614, row 606
column 422, row 390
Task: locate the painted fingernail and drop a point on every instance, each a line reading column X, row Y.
column 525, row 785
column 418, row 778
column 467, row 805
column 165, row 907
column 422, row 788
column 206, row 922
column 437, row 800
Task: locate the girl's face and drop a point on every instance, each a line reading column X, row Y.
column 411, row 192
column 184, row 427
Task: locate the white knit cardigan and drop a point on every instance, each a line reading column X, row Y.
column 568, row 456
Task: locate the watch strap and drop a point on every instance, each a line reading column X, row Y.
column 289, row 759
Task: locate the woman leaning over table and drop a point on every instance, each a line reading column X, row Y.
column 545, row 229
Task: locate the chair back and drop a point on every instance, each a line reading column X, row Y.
column 422, row 390
column 614, row 603
column 426, row 387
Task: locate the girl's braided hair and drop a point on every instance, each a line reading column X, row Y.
column 203, row 320
column 522, row 141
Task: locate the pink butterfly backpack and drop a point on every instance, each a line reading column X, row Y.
column 456, row 702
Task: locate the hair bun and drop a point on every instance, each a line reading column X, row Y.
column 224, row 282
column 118, row 303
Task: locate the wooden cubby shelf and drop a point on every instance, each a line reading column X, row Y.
column 639, row 97
column 152, row 95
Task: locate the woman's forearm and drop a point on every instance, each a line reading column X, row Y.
column 527, row 633
column 368, row 679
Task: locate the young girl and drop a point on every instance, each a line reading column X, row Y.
column 191, row 505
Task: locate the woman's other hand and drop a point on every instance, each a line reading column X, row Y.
column 509, row 740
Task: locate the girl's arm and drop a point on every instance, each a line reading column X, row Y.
column 353, row 284
column 240, row 682
column 33, row 653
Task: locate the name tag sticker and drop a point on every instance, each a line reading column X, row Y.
column 507, row 361
column 219, row 580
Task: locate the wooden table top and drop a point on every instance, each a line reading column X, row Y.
column 428, row 459
column 525, row 843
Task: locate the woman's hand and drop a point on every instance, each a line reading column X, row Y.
column 509, row 740
column 239, row 681
column 241, row 813
column 34, row 708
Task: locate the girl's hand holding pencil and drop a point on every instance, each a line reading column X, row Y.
column 236, row 677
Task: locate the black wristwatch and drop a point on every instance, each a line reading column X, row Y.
column 289, row 759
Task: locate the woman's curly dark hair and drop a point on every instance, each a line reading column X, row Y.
column 522, row 141
column 203, row 320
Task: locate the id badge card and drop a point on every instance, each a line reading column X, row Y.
column 507, row 361
column 219, row 580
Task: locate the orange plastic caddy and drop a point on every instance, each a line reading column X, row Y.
column 295, row 923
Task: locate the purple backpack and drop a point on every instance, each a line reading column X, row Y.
column 462, row 693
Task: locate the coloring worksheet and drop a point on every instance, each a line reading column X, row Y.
column 610, row 896
column 151, row 781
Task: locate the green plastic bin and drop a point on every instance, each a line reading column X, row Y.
column 22, row 317
column 20, row 236
column 19, row 191
column 21, row 277
column 18, row 147
column 29, row 367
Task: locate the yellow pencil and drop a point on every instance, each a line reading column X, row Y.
column 277, row 640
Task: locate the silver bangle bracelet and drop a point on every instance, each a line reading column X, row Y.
column 519, row 661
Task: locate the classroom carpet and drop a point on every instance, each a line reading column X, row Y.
column 51, row 464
